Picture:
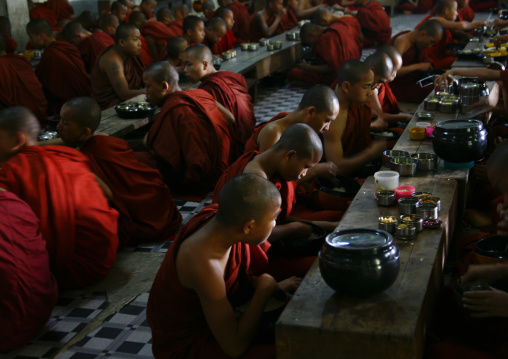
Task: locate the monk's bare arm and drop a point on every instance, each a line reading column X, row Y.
column 302, row 13
column 53, row 142
column 113, row 66
column 403, row 45
column 482, row 74
column 226, row 113
column 265, row 29
column 268, row 136
column 105, row 188
column 459, row 25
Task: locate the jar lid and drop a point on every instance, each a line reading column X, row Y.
column 359, row 239
column 460, row 125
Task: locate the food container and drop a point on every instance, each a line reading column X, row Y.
column 421, row 195
column 428, row 211
column 459, row 141
column 442, row 94
column 278, row 45
column 359, row 261
column 491, row 250
column 448, row 105
column 386, row 180
column 245, row 46
column 388, row 155
column 429, row 131
column 297, row 35
column 470, row 89
column 469, row 100
column 408, row 205
column 404, row 191
column 464, row 108
column 290, row 36
column 405, row 166
column 413, row 220
column 417, row 133
column 434, row 200
column 217, row 62
column 385, row 197
column 335, row 193
column 263, row 42
column 405, row 232
column 432, row 224
column 422, row 124
column 226, row 56
column 424, row 116
column 131, row 110
column 270, row 47
column 431, row 103
column 388, row 223
column 253, row 46
column 426, row 161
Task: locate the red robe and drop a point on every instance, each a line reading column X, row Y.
column 92, row 46
column 61, row 8
column 158, row 30
column 466, row 14
column 20, row 86
column 286, row 189
column 214, row 47
column 423, row 6
column 146, row 207
column 242, row 19
column 387, row 99
column 356, row 136
column 375, row 24
column 79, row 227
column 191, row 139
column 227, row 42
column 288, row 22
column 405, row 87
column 440, row 57
column 174, row 313
column 252, row 142
column 10, row 45
column 40, row 10
column 230, row 90
column 177, row 27
column 62, row 74
column 103, row 91
column 145, row 55
column 29, row 290
column 335, row 45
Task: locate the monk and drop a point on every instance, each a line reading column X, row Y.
column 241, row 16
column 375, row 23
column 76, row 222
column 120, row 11
column 92, row 46
column 306, row 8
column 39, row 10
column 61, row 8
column 289, row 20
column 446, row 13
column 227, row 88
column 190, row 139
column 61, row 71
column 266, row 22
column 117, row 75
column 146, row 207
column 208, row 10
column 331, row 47
column 138, row 19
column 158, row 32
column 347, row 143
column 17, row 73
column 180, row 13
column 174, row 51
column 215, row 30
column 464, row 12
column 415, row 63
column 193, row 30
column 88, row 20
column 74, row 33
column 5, row 29
column 29, row 290
column 217, row 252
column 324, row 17
column 147, row 7
column 228, row 41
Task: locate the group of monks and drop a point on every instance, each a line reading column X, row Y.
column 69, row 203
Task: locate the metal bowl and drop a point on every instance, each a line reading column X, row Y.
column 426, row 161
column 424, row 116
column 388, row 223
column 253, row 46
column 131, row 110
column 431, row 103
column 405, row 232
column 290, row 36
column 270, row 47
column 263, row 42
column 428, row 211
column 385, row 197
column 435, row 200
column 388, row 155
column 413, row 220
column 278, row 45
column 245, row 46
column 448, row 105
column 408, row 205
column 405, row 166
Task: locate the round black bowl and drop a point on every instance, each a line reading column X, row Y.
column 493, row 246
column 131, row 110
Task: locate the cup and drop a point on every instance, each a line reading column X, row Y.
column 386, row 180
column 404, row 191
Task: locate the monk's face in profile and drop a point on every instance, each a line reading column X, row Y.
column 397, row 64
column 194, row 69
column 425, row 41
column 155, row 92
column 360, row 91
column 197, row 35
column 292, row 4
column 121, row 14
column 37, row 41
column 111, row 29
column 229, row 19
column 132, row 45
column 295, row 168
column 262, row 228
column 450, row 13
column 320, row 122
column 71, row 133
column 214, row 35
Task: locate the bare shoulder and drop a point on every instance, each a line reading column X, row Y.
column 110, row 60
column 254, row 168
column 192, row 262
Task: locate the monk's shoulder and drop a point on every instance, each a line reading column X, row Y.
column 110, row 59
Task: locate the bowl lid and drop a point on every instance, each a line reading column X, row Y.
column 459, row 126
column 359, row 240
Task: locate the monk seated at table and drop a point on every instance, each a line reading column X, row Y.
column 29, row 290
column 146, row 207
column 415, row 63
column 241, row 16
column 92, row 46
column 375, row 23
column 117, row 75
column 61, row 8
column 190, row 139
column 208, row 10
column 174, row 51
column 158, row 32
column 119, row 10
column 74, row 33
column 289, row 20
column 228, row 41
column 180, row 13
column 348, row 143
column 79, row 227
column 17, row 73
column 267, row 22
column 215, row 30
column 5, row 29
column 331, row 46
column 307, row 8
column 193, row 30
column 147, row 7
column 446, row 12
column 61, row 71
column 138, row 19
column 227, row 88
column 218, row 254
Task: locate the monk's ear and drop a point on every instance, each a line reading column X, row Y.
column 248, row 226
column 311, row 111
column 346, row 85
column 165, row 86
column 20, row 141
column 290, row 154
column 205, row 65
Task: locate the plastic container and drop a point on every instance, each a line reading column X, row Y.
column 386, row 180
column 404, row 191
column 417, row 133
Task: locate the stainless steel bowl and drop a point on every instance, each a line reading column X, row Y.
column 270, row 47
column 385, row 197
column 408, row 205
column 290, row 36
column 431, row 103
column 253, row 46
column 388, row 155
column 388, row 223
column 426, row 161
column 424, row 116
column 435, row 200
column 413, row 220
column 263, row 42
column 470, row 89
column 428, row 211
column 278, row 45
column 245, row 46
column 406, row 232
column 406, row 166
column 469, row 100
column 448, row 105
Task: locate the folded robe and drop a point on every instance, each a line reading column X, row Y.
column 191, row 139
column 252, row 142
column 20, row 86
column 175, row 314
column 92, row 46
column 375, row 24
column 62, row 74
column 230, row 90
column 103, row 91
column 387, row 99
column 227, row 42
column 356, row 136
column 441, row 58
column 61, row 8
column 242, row 19
column 29, row 290
column 146, row 207
column 79, row 227
column 405, row 87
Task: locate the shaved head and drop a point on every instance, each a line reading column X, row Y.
column 38, row 26
column 124, row 31
column 222, row 11
column 137, row 18
column 117, row 6
column 208, row 5
column 200, row 52
column 216, row 24
column 190, row 23
column 380, row 63
column 163, row 14
column 252, row 194
column 87, row 19
column 175, row 46
column 108, row 19
column 432, row 28
column 181, row 11
column 352, row 72
column 302, row 139
column 442, row 5
column 322, row 97
column 320, row 16
column 72, row 30
column 87, row 112
column 19, row 119
column 307, row 31
column 163, row 71
column 394, row 54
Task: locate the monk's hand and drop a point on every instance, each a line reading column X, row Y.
column 499, row 24
column 426, row 67
column 290, row 285
column 379, row 124
column 486, row 304
column 326, row 169
column 334, row 7
column 303, row 65
column 439, row 80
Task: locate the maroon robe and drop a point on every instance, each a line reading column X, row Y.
column 441, row 58
column 242, row 18
column 375, row 24
column 92, row 46
column 227, row 42
column 40, row 10
column 10, row 45
column 356, row 136
column 61, row 8
column 387, row 99
column 252, row 142
column 177, row 27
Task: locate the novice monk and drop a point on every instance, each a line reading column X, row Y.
column 266, row 22
column 415, row 63
column 347, row 143
column 92, row 46
column 157, row 33
column 228, row 41
column 120, row 11
column 208, row 10
column 146, row 207
column 138, row 19
column 74, row 33
column 39, row 10
column 241, row 16
column 117, row 75
column 174, row 51
column 180, row 13
column 29, row 290
column 375, row 23
column 61, row 71
column 190, row 139
column 193, row 30
column 219, row 251
column 17, row 73
column 332, row 46
column 147, row 7
column 227, row 88
column 289, row 20
column 215, row 29
column 76, row 222
column 446, row 12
